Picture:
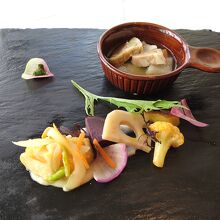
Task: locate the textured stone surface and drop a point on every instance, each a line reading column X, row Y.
column 188, row 187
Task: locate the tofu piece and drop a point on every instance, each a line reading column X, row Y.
column 124, row 53
column 160, row 69
column 148, row 47
column 145, row 59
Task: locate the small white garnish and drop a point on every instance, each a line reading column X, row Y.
column 36, row 68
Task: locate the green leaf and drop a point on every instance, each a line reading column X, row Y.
column 163, row 104
column 66, row 163
column 129, row 104
column 39, row 71
column 89, row 99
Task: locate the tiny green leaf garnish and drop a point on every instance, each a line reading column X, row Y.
column 39, row 71
column 129, row 104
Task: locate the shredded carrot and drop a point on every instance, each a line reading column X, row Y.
column 62, row 140
column 78, row 146
column 105, row 156
column 80, row 140
column 71, row 162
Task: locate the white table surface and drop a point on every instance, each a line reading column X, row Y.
column 187, row 14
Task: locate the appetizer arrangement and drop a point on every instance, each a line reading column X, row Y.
column 68, row 159
column 140, row 58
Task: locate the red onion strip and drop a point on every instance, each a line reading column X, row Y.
column 186, row 114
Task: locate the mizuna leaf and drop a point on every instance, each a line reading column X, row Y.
column 129, row 104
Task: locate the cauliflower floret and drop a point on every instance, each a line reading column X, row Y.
column 167, row 135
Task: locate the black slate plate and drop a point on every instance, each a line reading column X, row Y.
column 188, row 187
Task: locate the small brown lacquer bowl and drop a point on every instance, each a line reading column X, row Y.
column 206, row 59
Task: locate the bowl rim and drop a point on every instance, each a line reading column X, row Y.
column 140, row 77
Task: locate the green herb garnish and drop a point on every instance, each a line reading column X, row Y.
column 57, row 175
column 40, row 70
column 130, row 105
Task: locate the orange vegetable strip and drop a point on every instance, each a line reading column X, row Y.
column 80, row 140
column 78, row 146
column 105, row 156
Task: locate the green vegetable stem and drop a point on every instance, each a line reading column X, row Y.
column 57, row 175
column 66, row 163
column 130, row 105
